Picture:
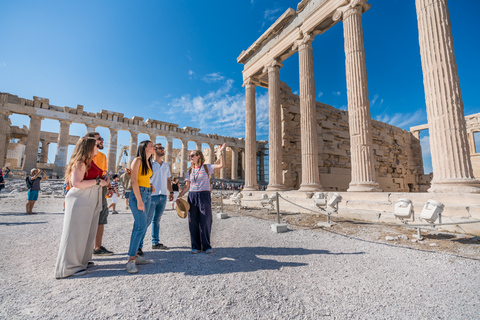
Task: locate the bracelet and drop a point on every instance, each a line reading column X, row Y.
column 110, row 188
column 171, row 192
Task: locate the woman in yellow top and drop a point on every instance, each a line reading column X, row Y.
column 139, row 201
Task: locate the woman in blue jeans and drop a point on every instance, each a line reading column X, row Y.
column 140, row 201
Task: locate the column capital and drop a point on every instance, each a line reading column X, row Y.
column 355, row 6
column 306, row 41
column 250, row 81
column 63, row 121
column 272, row 65
column 36, row 117
column 113, row 130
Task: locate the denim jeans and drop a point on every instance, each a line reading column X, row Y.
column 155, row 212
column 140, row 225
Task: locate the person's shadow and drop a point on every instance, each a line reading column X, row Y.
column 221, row 261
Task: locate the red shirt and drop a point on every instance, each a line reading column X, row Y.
column 93, row 172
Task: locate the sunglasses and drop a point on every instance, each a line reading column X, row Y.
column 159, row 148
column 100, row 139
column 193, row 155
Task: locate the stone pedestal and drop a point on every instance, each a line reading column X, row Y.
column 451, row 163
column 360, row 126
column 308, row 116
column 33, row 141
column 112, row 151
column 274, row 129
column 250, row 137
column 132, row 151
column 4, row 126
column 62, row 147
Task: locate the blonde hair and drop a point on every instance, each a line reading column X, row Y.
column 83, row 153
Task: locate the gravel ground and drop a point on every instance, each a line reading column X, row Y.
column 253, row 273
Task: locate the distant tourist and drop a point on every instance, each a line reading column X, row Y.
column 116, row 194
column 33, row 184
column 197, row 181
column 101, row 161
column 125, row 179
column 2, row 182
column 176, row 189
column 140, row 201
column 83, row 204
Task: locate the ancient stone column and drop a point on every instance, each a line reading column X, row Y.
column 360, row 126
column 185, row 158
column 223, row 171
column 153, row 138
column 451, row 164
column 33, row 141
column 90, row 127
column 62, row 147
column 198, row 145
column 132, row 151
column 250, row 136
column 261, row 166
column 211, row 154
column 234, row 175
column 243, row 164
column 4, row 136
column 44, row 152
column 308, row 116
column 112, row 151
column 274, row 129
column 169, row 152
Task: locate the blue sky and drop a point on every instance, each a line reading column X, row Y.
column 175, row 61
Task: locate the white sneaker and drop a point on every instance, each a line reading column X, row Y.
column 141, row 260
column 131, row 268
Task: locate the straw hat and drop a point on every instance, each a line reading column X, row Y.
column 182, row 208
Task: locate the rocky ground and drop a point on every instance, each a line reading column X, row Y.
column 348, row 271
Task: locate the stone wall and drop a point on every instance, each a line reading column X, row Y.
column 398, row 158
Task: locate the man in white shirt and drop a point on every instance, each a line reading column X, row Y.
column 163, row 187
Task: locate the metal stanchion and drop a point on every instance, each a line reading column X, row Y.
column 221, row 214
column 278, row 227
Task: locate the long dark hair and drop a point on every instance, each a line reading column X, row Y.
column 143, row 156
column 83, row 153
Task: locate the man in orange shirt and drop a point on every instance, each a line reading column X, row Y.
column 101, row 161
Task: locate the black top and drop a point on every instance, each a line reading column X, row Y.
column 175, row 186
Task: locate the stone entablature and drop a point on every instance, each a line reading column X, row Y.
column 398, row 158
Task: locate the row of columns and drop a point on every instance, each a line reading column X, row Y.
column 452, row 170
column 33, row 141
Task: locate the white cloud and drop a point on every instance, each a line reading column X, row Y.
column 375, row 97
column 403, row 120
column 191, row 74
column 269, row 16
column 188, row 55
column 320, row 94
column 221, row 112
column 213, row 77
column 336, row 93
column 425, row 143
column 295, row 92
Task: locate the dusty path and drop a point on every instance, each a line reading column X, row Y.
column 252, row 274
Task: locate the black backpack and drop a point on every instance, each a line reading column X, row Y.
column 29, row 183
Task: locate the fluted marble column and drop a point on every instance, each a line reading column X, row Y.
column 185, row 158
column 169, row 154
column 62, row 147
column 4, row 126
column 132, row 151
column 275, row 128
column 242, row 156
column 33, row 141
column 112, row 151
column 308, row 116
column 234, row 175
column 223, row 171
column 90, row 128
column 451, row 164
column 198, row 145
column 211, row 154
column 250, row 136
column 360, row 125
column 153, row 138
column 44, row 151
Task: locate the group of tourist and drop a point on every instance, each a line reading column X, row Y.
column 147, row 185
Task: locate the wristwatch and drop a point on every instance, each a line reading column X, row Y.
column 98, row 181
